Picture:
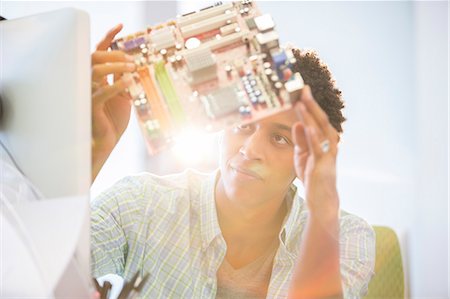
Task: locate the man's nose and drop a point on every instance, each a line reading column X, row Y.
column 253, row 147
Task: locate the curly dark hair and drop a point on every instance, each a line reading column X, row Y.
column 316, row 74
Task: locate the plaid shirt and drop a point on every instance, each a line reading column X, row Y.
column 167, row 226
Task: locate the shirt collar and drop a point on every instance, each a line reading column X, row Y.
column 209, row 223
column 294, row 206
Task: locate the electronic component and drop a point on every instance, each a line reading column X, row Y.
column 264, row 23
column 162, row 38
column 294, row 86
column 222, row 102
column 208, row 24
column 201, row 65
column 250, row 23
column 227, row 29
column 209, row 69
column 205, row 14
column 268, row 40
column 279, row 60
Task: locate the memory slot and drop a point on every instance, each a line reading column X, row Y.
column 167, row 89
column 208, row 24
column 204, row 14
column 155, row 101
column 222, row 42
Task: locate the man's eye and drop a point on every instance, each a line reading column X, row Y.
column 281, row 140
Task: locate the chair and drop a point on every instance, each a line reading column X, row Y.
column 388, row 281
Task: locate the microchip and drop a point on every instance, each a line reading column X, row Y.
column 199, row 59
column 201, row 64
column 251, row 23
column 221, row 102
column 264, row 23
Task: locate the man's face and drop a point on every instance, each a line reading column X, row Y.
column 256, row 160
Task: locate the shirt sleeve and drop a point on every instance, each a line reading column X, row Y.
column 357, row 246
column 108, row 239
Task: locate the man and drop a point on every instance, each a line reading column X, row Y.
column 241, row 232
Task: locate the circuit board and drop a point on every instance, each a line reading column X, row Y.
column 209, row 69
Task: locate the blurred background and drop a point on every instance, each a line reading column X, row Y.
column 390, row 59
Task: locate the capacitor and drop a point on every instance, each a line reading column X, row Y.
column 274, row 78
column 247, row 43
column 278, row 85
column 228, row 70
column 178, row 59
column 266, row 65
column 268, row 72
column 163, row 52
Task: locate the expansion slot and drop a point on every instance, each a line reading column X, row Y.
column 204, row 14
column 169, row 93
column 220, row 43
column 155, row 101
column 208, row 24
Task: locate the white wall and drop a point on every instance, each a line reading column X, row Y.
column 390, row 60
column 428, row 235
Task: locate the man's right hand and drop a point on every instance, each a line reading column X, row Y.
column 111, row 105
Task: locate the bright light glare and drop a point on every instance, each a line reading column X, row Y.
column 194, row 147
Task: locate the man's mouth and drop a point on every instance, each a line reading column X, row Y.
column 246, row 172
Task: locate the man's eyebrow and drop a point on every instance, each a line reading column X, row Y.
column 282, row 127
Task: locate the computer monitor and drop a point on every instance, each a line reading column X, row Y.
column 45, row 77
column 46, row 127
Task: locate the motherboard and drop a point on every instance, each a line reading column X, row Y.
column 209, row 69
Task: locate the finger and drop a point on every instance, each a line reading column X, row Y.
column 300, row 149
column 101, row 70
column 313, row 142
column 110, row 56
column 320, row 117
column 307, row 119
column 106, row 41
column 298, row 136
column 105, row 93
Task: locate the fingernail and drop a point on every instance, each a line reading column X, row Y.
column 130, row 66
column 129, row 57
column 307, row 96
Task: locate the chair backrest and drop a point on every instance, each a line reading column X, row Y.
column 388, row 281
